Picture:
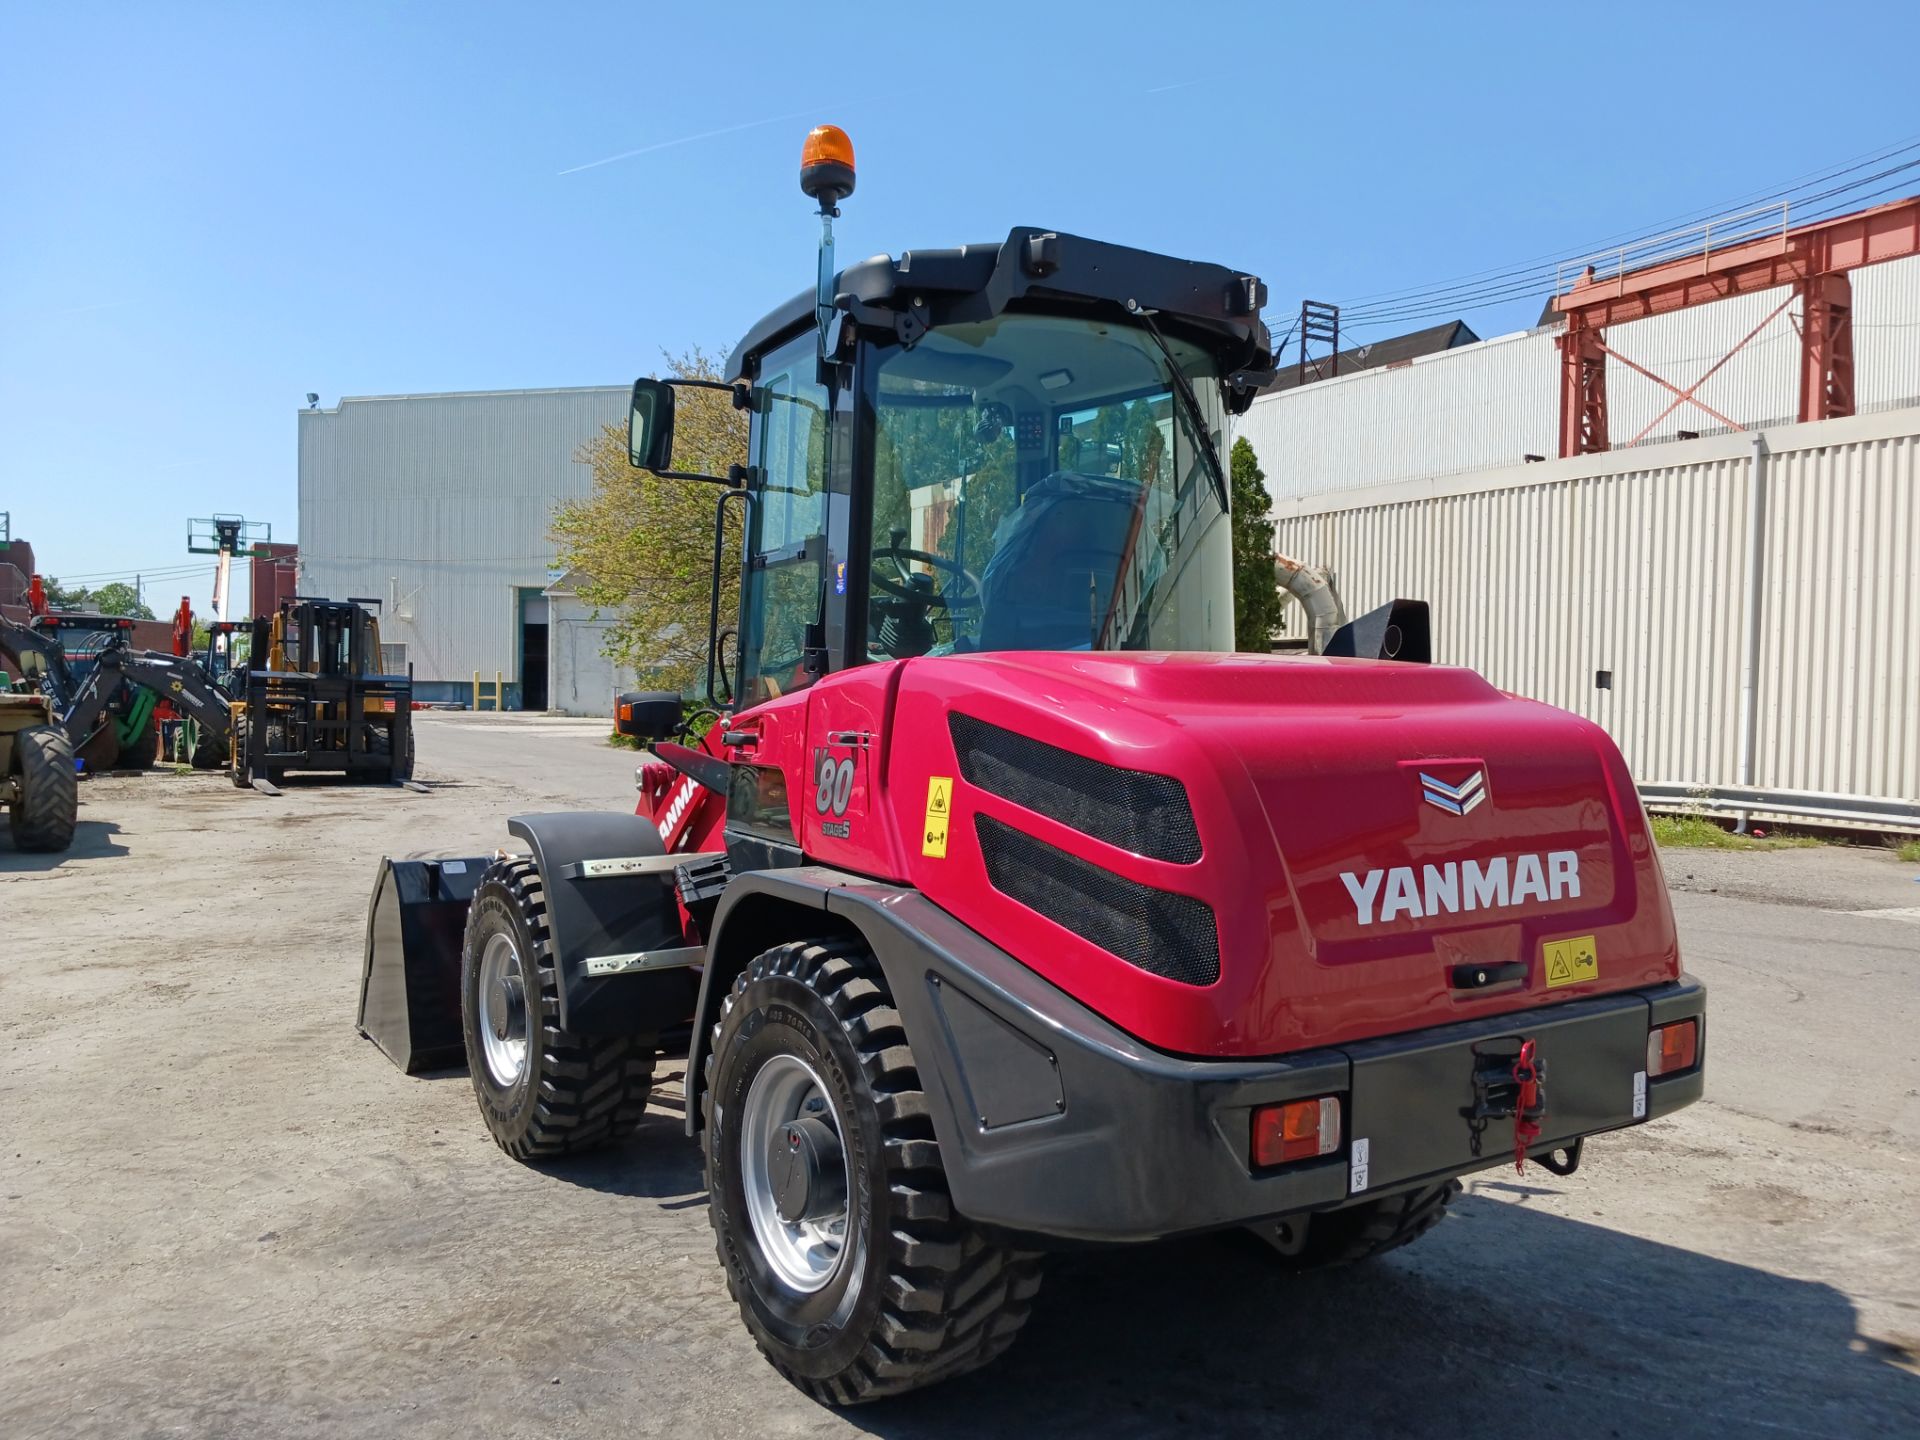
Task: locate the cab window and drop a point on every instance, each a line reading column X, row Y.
column 787, row 552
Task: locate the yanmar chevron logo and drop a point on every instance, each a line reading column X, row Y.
column 1454, row 799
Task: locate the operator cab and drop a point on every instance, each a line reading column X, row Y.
column 1014, row 446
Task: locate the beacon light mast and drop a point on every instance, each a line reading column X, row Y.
column 826, row 175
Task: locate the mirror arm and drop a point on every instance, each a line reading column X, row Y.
column 691, row 475
column 741, row 391
column 713, row 610
column 736, row 477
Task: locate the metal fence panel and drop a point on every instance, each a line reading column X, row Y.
column 1635, row 563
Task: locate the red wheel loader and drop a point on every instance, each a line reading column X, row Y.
column 1002, row 907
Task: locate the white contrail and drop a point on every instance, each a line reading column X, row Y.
column 690, row 139
column 1162, row 89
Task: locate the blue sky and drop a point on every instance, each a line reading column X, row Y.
column 207, row 211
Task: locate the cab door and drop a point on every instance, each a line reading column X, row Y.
column 792, row 611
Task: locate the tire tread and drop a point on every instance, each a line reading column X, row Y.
column 43, row 818
column 593, row 1089
column 951, row 1299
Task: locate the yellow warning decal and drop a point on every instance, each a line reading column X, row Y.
column 933, row 839
column 1571, row 962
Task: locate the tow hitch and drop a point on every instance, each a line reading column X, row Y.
column 1511, row 1085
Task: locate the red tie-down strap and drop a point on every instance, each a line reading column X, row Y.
column 1526, row 1079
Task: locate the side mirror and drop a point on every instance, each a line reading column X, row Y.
column 648, row 715
column 650, row 426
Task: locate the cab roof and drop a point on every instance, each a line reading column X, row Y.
column 976, row 282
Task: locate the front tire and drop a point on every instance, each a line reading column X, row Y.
column 543, row 1090
column 829, row 1204
column 239, row 769
column 203, row 751
column 44, row 816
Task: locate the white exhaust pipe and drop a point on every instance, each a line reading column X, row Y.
column 1312, row 586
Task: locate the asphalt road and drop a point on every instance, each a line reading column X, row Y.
column 224, row 1214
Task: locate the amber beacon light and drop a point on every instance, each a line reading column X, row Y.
column 826, row 165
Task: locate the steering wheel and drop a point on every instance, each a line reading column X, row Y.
column 961, row 592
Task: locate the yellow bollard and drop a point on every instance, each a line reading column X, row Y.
column 476, row 690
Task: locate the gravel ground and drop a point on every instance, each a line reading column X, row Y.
column 224, row 1214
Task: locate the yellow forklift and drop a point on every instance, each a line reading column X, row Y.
column 312, row 697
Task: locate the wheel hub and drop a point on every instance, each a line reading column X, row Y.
column 794, row 1170
column 807, row 1171
column 502, row 1001
column 505, row 1005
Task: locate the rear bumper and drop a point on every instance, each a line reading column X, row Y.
column 1054, row 1123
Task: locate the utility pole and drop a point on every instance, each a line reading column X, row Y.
column 1319, row 322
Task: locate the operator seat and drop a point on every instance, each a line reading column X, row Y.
column 1050, row 582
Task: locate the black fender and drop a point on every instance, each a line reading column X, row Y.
column 624, row 961
column 978, row 1020
column 1052, row 1122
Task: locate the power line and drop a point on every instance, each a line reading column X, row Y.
column 1501, row 286
column 1648, row 252
column 1631, row 237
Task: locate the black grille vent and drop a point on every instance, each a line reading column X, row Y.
column 1162, row 933
column 1145, row 813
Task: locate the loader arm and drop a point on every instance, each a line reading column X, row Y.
column 18, row 641
column 172, row 677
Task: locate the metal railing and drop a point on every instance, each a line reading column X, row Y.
column 1721, row 232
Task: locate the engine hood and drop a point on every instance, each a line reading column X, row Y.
column 1364, row 847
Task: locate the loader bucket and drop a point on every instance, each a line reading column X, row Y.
column 410, row 981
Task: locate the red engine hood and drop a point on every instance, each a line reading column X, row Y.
column 1372, row 838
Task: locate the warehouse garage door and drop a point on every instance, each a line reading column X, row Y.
column 533, row 650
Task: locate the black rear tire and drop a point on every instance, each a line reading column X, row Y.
column 1359, row 1232
column 574, row 1092
column 44, row 816
column 918, row 1294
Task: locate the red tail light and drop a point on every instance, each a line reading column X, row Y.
column 1672, row 1048
column 1297, row 1130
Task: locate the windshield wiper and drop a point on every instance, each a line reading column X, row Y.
column 1196, row 422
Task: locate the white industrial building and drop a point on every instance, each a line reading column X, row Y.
column 440, row 506
column 1739, row 606
column 1494, row 402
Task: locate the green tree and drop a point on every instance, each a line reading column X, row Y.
column 120, row 598
column 1256, row 598
column 62, row 596
column 640, row 548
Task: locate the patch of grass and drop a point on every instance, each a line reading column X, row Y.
column 1909, row 851
column 623, row 742
column 1696, row 832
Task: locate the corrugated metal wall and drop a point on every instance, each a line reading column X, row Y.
column 1466, row 409
column 440, row 504
column 1493, row 403
column 1635, row 563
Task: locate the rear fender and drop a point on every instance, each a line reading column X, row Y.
column 624, row 961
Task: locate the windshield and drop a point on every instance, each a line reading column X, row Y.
column 1040, row 484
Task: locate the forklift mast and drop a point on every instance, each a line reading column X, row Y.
column 313, row 636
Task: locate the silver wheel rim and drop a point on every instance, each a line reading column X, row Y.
column 805, row 1253
column 503, row 1025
